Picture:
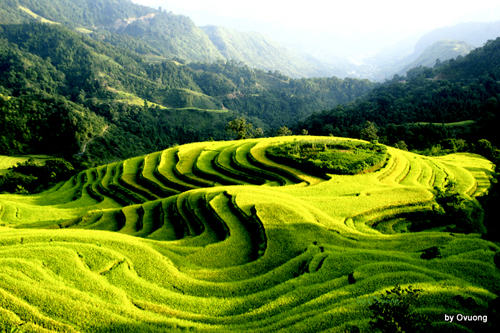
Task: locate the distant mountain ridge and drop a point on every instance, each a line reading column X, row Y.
column 473, row 33
column 433, row 45
column 261, row 51
column 441, row 50
column 159, row 34
column 166, row 34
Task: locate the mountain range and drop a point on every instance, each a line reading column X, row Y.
column 159, row 33
column 63, row 84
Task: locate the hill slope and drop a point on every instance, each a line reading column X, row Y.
column 442, row 50
column 402, row 56
column 259, row 51
column 149, row 244
column 456, row 91
column 161, row 33
column 473, row 33
column 157, row 103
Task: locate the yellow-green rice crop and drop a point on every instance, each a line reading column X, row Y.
column 149, row 244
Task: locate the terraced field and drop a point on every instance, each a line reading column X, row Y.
column 7, row 162
column 215, row 237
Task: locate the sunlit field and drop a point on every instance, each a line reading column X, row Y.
column 217, row 237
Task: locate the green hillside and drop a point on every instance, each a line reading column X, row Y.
column 259, row 51
column 442, row 50
column 412, row 109
column 216, row 237
column 78, row 85
column 159, row 32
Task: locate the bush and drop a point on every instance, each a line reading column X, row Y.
column 29, row 177
column 395, row 312
column 465, row 212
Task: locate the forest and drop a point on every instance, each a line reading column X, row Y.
column 46, row 65
column 455, row 100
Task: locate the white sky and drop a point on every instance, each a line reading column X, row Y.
column 362, row 21
column 383, row 15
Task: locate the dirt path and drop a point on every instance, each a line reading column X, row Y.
column 84, row 147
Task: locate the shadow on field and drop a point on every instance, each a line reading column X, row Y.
column 141, row 328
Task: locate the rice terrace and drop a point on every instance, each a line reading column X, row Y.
column 257, row 235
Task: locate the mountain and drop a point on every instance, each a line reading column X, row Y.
column 419, row 50
column 483, row 62
column 169, row 34
column 259, row 51
column 441, row 50
column 164, row 34
column 77, row 86
column 461, row 97
column 473, row 33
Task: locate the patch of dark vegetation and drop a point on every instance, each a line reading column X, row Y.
column 320, row 264
column 464, row 212
column 490, row 203
column 140, row 223
column 32, row 177
column 351, row 329
column 120, row 219
column 71, row 223
column 158, row 217
column 496, row 260
column 395, row 312
column 351, row 278
column 454, row 212
column 431, row 253
column 468, row 302
column 253, row 225
column 302, row 269
column 320, row 157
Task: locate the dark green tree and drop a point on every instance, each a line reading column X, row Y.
column 369, row 132
column 401, row 145
column 240, row 127
column 395, row 312
column 283, row 131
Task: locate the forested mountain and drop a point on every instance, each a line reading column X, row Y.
column 120, row 93
column 161, row 33
column 424, row 50
column 171, row 35
column 454, row 91
column 78, row 86
column 260, row 51
column 484, row 61
column 473, row 33
column 72, row 13
column 441, row 50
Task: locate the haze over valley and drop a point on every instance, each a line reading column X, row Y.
column 365, row 40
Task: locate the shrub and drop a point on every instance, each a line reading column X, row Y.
column 395, row 312
column 463, row 211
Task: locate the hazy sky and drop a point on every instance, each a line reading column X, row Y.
column 363, row 20
column 382, row 15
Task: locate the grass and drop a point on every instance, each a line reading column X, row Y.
column 166, row 250
column 154, row 58
column 84, row 31
column 7, row 162
column 455, row 124
column 131, row 99
column 36, row 16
